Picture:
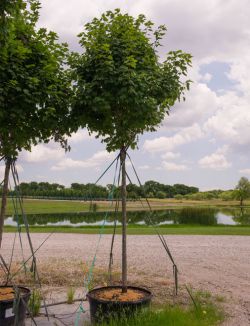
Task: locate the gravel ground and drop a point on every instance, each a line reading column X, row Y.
column 219, row 264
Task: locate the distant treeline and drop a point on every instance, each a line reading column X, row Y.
column 151, row 189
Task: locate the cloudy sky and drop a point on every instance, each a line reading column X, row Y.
column 205, row 141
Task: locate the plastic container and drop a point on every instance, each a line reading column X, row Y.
column 103, row 310
column 7, row 317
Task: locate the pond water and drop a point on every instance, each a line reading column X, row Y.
column 185, row 215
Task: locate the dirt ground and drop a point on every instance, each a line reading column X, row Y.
column 218, row 264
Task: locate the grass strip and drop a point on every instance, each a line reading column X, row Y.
column 36, row 206
column 139, row 230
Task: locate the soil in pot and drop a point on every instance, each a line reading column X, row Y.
column 116, row 294
column 7, row 293
column 109, row 302
column 7, row 303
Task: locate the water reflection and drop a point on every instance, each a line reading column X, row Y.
column 185, row 215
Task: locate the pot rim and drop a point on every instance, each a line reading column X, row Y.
column 27, row 290
column 146, row 291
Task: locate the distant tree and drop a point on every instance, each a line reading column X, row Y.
column 160, row 194
column 133, row 195
column 150, row 195
column 169, row 190
column 242, row 190
column 193, row 190
column 152, row 187
column 89, row 191
column 76, row 186
column 181, row 189
column 216, row 193
column 207, row 195
column 196, row 196
column 134, row 191
column 228, row 195
column 178, row 197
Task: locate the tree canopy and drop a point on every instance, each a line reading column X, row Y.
column 122, row 87
column 35, row 87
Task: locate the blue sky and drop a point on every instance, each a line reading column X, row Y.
column 205, row 141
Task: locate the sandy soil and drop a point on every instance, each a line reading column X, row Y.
column 219, row 264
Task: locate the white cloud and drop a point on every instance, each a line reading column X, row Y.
column 43, row 153
column 239, row 72
column 96, row 160
column 200, row 103
column 207, row 29
column 206, row 77
column 170, row 166
column 215, row 161
column 244, row 171
column 170, row 156
column 79, row 136
column 231, row 122
column 185, row 136
column 144, row 167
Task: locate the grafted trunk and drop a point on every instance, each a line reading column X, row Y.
column 124, row 221
column 4, row 196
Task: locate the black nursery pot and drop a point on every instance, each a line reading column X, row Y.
column 103, row 310
column 7, row 317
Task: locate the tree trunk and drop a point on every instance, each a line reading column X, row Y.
column 241, row 201
column 124, row 221
column 4, row 196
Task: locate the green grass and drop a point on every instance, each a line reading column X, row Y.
column 138, row 230
column 49, row 206
column 205, row 315
column 36, row 206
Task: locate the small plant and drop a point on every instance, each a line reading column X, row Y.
column 201, row 295
column 220, row 298
column 70, row 295
column 35, row 302
column 205, row 308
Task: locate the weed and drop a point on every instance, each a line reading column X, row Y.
column 70, row 295
column 201, row 295
column 35, row 302
column 220, row 298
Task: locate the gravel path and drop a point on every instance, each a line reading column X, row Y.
column 220, row 264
